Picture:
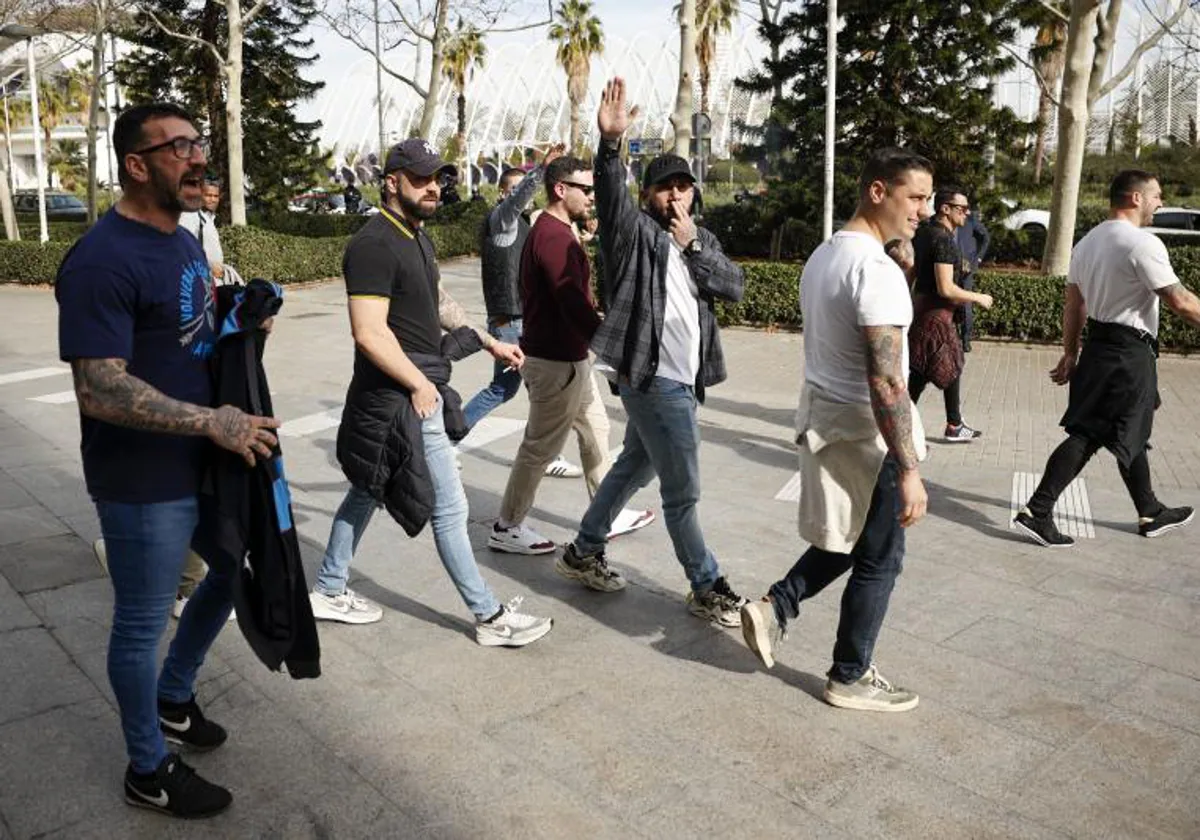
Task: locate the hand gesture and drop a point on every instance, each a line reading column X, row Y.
column 682, row 226
column 614, row 117
column 913, row 500
column 244, row 434
column 1061, row 374
column 425, row 399
column 554, row 153
column 510, row 354
column 985, row 301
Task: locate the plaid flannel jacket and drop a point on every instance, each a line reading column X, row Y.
column 635, row 249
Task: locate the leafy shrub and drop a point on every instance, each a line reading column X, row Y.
column 59, row 231
column 256, row 252
column 31, row 262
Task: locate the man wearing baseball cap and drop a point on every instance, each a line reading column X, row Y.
column 398, row 312
column 660, row 346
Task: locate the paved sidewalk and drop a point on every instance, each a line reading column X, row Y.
column 1060, row 692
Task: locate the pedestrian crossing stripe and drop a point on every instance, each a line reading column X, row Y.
column 58, row 398
column 35, row 373
column 1072, row 513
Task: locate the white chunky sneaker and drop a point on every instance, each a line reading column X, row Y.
column 510, row 628
column 519, row 539
column 560, row 467
column 348, row 608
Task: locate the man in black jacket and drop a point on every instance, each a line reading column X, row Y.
column 398, row 310
column 660, row 345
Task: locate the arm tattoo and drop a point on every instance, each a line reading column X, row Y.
column 107, row 391
column 452, row 316
column 889, row 392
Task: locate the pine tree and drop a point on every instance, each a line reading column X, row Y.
column 279, row 148
column 910, row 73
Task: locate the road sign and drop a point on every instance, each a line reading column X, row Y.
column 646, row 146
column 701, row 125
column 635, row 147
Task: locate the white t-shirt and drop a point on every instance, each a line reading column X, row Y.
column 849, row 283
column 1117, row 267
column 679, row 351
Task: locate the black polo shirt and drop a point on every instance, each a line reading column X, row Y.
column 934, row 245
column 389, row 258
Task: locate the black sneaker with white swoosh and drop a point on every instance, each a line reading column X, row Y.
column 176, row 790
column 183, row 724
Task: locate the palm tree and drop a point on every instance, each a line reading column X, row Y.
column 713, row 18
column 464, row 52
column 579, row 36
column 66, row 160
column 59, row 98
column 1049, row 54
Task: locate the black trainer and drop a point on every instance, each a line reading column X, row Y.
column 1042, row 530
column 176, row 790
column 183, row 724
column 1168, row 520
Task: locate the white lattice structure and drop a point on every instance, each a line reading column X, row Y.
column 519, row 98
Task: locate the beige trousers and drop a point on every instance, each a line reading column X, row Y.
column 193, row 574
column 562, row 396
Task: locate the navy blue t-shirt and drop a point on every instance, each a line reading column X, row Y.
column 129, row 291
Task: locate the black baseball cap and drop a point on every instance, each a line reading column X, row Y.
column 418, row 157
column 665, row 167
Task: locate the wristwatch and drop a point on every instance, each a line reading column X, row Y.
column 693, row 247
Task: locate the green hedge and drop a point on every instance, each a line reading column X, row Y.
column 31, row 262
column 59, row 231
column 1028, row 306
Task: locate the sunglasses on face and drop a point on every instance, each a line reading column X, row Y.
column 586, row 189
column 184, row 148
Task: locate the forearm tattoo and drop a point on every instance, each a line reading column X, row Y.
column 452, row 316
column 889, row 392
column 107, row 391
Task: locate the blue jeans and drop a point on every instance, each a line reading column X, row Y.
column 147, row 546
column 663, row 439
column 874, row 565
column 504, row 385
column 449, row 521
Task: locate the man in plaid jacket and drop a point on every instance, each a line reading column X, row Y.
column 660, row 346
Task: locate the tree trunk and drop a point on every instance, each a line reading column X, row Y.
column 11, row 229
column 93, row 128
column 1073, row 112
column 1039, row 150
column 681, row 119
column 233, row 114
column 429, row 112
column 574, row 147
column 211, row 74
column 462, row 127
column 46, row 132
column 705, row 81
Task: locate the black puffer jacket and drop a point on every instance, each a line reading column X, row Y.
column 379, row 443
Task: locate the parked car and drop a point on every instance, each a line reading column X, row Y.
column 1177, row 221
column 1028, row 218
column 60, row 206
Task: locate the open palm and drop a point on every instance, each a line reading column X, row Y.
column 614, row 116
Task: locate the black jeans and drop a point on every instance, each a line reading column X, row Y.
column 874, row 565
column 951, row 394
column 1069, row 459
column 967, row 327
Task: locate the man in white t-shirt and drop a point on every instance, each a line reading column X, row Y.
column 860, row 438
column 1118, row 274
column 202, row 224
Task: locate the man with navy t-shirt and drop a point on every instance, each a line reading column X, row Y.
column 136, row 322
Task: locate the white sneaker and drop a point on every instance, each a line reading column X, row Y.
column 628, row 521
column 560, row 467
column 511, row 628
column 348, row 608
column 519, row 539
column 181, row 602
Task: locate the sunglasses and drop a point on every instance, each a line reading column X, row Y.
column 966, row 208
column 586, row 189
column 183, row 147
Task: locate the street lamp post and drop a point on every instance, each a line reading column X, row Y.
column 27, row 33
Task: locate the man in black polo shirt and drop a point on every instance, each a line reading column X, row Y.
column 399, row 307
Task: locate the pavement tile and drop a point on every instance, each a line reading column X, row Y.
column 48, row 563
column 57, row 682
column 14, row 614
column 1164, row 696
column 17, row 525
column 1071, row 662
column 1128, row 598
column 12, row 495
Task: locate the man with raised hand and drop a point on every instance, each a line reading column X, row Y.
column 859, row 435
column 661, row 347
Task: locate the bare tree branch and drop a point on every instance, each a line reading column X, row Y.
column 1150, row 43
column 183, row 36
column 1055, row 10
column 254, row 12
column 354, row 38
column 1052, row 95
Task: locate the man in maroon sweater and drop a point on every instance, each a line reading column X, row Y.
column 559, row 320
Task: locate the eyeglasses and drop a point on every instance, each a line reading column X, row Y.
column 183, row 147
column 966, row 208
column 586, row 189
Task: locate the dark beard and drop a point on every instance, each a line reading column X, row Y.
column 414, row 209
column 166, row 194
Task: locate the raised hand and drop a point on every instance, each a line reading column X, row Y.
column 683, row 228
column 554, row 153
column 614, row 116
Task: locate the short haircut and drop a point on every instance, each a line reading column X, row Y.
column 213, row 182
column 890, row 165
column 945, row 195
column 560, row 168
column 1127, row 183
column 128, row 133
column 511, row 174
